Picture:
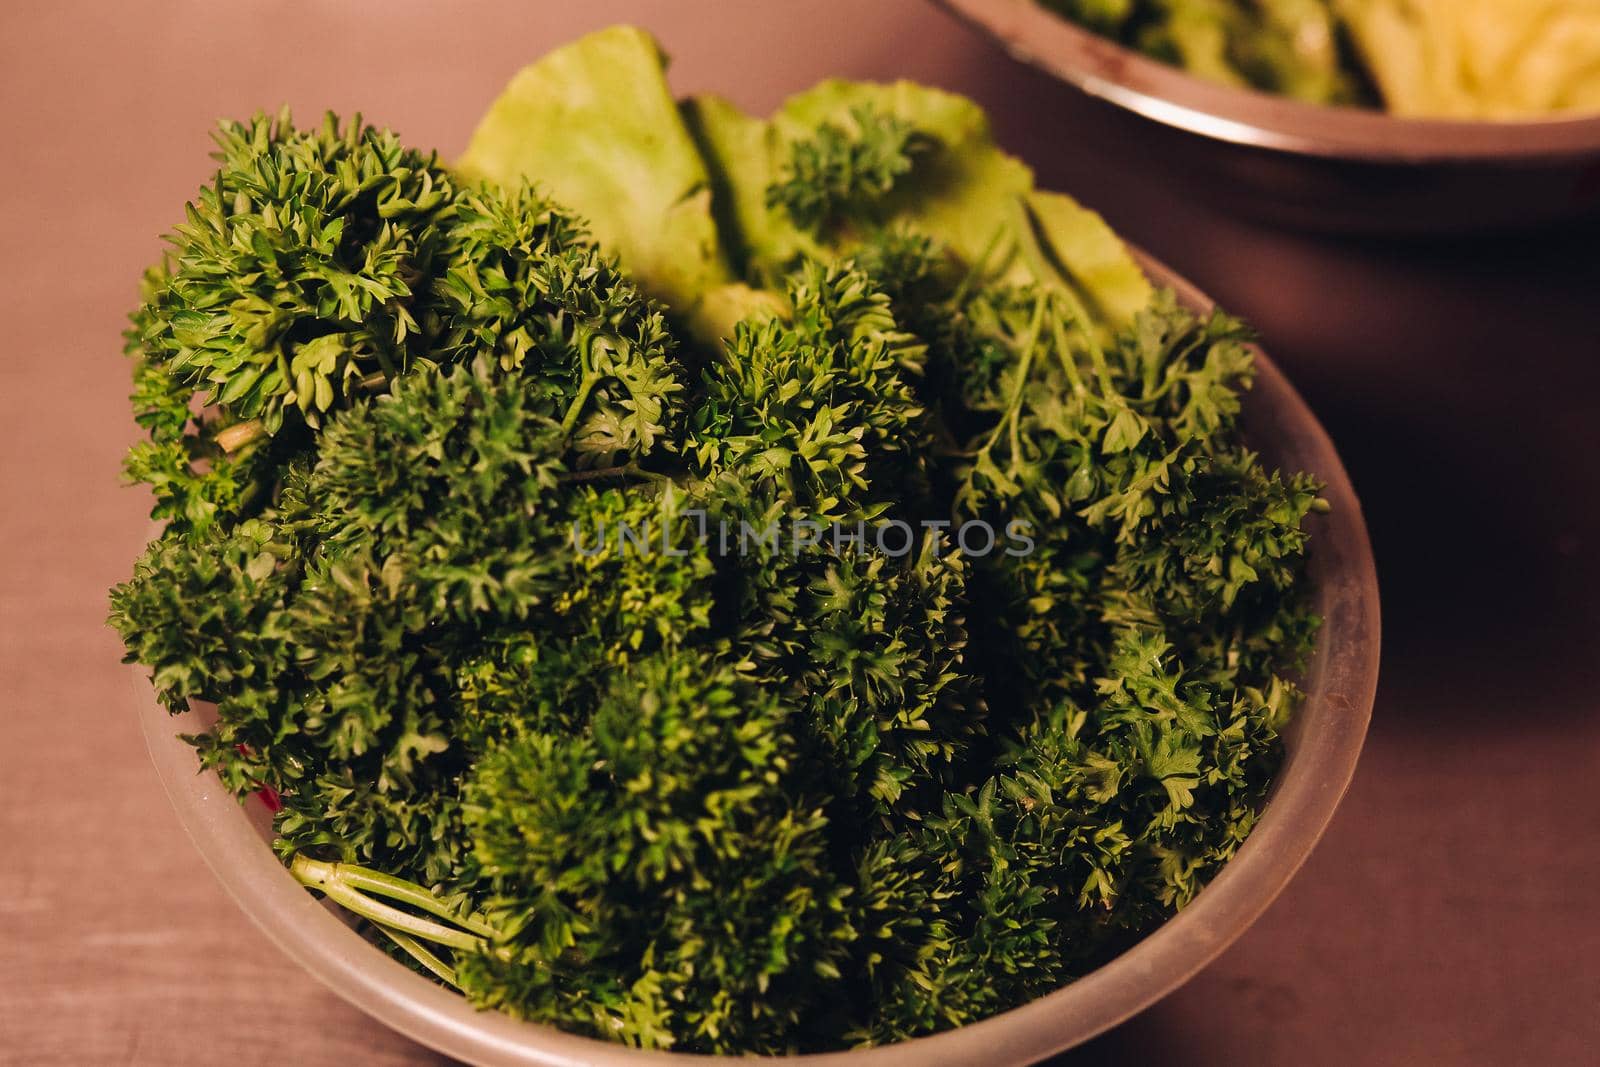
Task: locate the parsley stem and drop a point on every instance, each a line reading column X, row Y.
column 333, row 880
column 975, row 271
column 585, row 387
column 415, row 949
column 371, row 881
column 388, row 370
column 240, row 434
column 1047, row 270
column 627, row 470
column 237, row 436
column 1069, row 365
column 1008, row 423
column 1084, row 325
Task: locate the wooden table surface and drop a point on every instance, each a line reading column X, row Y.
column 1448, row 917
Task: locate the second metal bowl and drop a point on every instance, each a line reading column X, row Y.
column 1329, row 168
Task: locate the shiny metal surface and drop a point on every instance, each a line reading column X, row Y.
column 1344, row 169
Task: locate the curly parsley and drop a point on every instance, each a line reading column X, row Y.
column 785, row 799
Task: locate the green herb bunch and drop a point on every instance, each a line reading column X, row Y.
column 323, row 263
column 844, row 171
column 789, row 797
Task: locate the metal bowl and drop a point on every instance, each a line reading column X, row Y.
column 1322, row 744
column 1324, row 168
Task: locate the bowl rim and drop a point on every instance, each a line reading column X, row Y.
column 1341, row 685
column 1171, row 96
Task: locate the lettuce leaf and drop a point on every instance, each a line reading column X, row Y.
column 967, row 193
column 679, row 192
column 595, row 126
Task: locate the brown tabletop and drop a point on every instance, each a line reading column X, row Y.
column 1448, row 917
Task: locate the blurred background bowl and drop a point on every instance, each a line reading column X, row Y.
column 1346, row 170
column 1322, row 745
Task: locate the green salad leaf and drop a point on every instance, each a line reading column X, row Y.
column 596, row 126
column 702, row 202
